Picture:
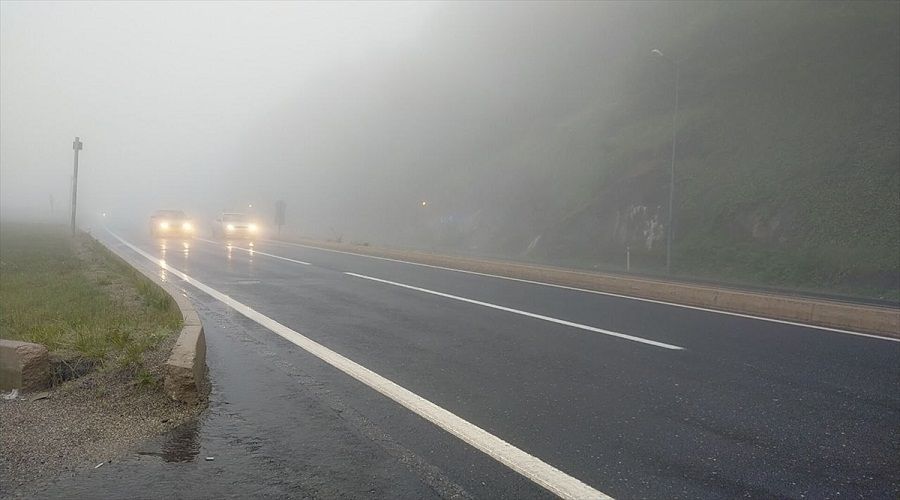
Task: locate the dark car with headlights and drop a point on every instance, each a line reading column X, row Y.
column 171, row 223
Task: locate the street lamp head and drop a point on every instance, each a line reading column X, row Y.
column 657, row 52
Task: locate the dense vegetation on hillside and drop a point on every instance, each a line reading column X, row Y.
column 788, row 157
column 543, row 131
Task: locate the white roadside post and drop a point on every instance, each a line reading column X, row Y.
column 77, row 146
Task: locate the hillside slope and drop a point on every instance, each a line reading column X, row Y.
column 788, row 157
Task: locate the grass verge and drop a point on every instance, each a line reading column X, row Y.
column 73, row 296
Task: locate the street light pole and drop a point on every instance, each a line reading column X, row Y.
column 77, row 146
column 669, row 227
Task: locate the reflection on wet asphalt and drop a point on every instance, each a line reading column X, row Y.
column 181, row 444
column 267, row 436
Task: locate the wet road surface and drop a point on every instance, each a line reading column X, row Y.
column 633, row 399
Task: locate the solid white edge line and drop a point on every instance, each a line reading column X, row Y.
column 526, row 313
column 254, row 251
column 597, row 292
column 533, row 468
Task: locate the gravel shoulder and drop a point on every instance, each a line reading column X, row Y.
column 94, row 419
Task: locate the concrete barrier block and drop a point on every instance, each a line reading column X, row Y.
column 24, row 366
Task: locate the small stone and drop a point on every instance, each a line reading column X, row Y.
column 210, row 459
column 39, row 396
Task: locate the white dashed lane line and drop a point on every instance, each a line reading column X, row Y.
column 253, row 251
column 597, row 292
column 489, row 305
column 526, row 313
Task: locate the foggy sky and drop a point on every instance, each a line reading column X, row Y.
column 352, row 113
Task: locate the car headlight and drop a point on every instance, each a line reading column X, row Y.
column 164, row 225
column 229, row 227
column 187, row 226
column 252, row 228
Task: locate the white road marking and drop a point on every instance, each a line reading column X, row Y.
column 485, row 304
column 533, row 468
column 526, row 313
column 597, row 292
column 253, row 251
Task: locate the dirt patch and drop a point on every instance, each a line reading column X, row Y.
column 84, row 422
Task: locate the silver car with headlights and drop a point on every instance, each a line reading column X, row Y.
column 235, row 225
column 171, row 223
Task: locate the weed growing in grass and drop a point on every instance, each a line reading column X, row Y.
column 146, row 379
column 119, row 338
column 92, row 344
column 131, row 357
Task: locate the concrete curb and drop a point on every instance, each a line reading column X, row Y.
column 185, row 371
column 186, row 367
column 818, row 312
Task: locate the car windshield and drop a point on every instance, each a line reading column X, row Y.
column 234, row 218
column 171, row 214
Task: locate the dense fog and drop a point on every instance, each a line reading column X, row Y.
column 342, row 110
column 538, row 130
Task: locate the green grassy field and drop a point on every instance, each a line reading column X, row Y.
column 71, row 294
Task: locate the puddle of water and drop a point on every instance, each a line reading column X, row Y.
column 181, row 444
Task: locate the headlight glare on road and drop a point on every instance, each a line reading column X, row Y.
column 187, row 226
column 252, row 228
column 164, row 225
column 229, row 227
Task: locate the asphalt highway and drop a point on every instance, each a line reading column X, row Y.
column 499, row 388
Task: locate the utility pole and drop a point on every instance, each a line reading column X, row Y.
column 669, row 229
column 279, row 214
column 77, row 146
